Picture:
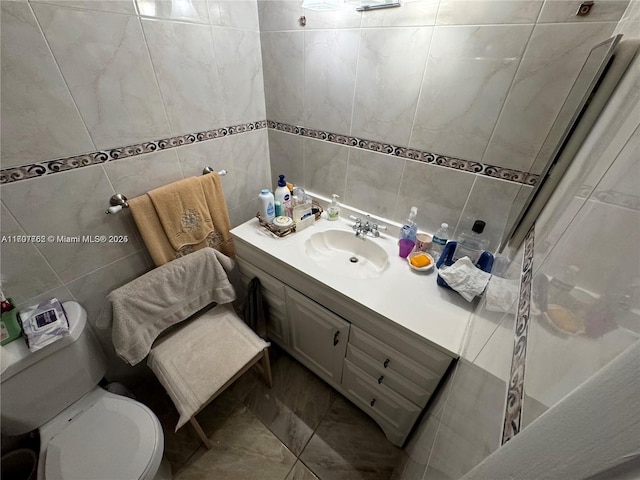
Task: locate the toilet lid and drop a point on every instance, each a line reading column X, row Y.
column 114, row 438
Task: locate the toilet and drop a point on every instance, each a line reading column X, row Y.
column 85, row 431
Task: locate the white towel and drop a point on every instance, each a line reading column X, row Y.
column 502, row 294
column 143, row 308
column 223, row 343
column 465, row 278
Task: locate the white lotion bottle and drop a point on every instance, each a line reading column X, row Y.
column 283, row 195
column 266, row 206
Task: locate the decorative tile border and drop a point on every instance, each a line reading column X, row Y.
column 515, row 398
column 48, row 167
column 517, row 176
column 618, row 199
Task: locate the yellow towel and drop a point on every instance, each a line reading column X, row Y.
column 183, row 212
column 214, row 196
column 183, row 217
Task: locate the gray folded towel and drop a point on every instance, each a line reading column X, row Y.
column 141, row 310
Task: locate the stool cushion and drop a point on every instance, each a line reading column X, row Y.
column 195, row 361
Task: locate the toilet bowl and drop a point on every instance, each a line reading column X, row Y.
column 102, row 436
column 85, row 432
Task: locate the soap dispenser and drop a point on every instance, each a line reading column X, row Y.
column 333, row 212
column 410, row 228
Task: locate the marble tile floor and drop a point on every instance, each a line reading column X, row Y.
column 301, row 429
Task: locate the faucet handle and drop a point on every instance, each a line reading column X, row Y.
column 375, row 229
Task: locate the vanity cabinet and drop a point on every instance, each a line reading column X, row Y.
column 388, row 375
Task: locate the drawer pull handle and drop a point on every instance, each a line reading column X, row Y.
column 380, row 378
column 335, row 338
column 386, row 363
column 372, row 402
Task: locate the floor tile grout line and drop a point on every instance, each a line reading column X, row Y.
column 297, row 456
column 324, row 415
column 309, row 468
column 245, row 404
column 241, row 401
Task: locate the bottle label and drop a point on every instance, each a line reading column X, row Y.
column 286, row 197
column 4, row 333
column 406, row 232
column 333, row 212
column 439, row 241
column 270, row 210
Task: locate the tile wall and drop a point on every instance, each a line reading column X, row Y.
column 505, row 380
column 138, row 94
column 477, row 81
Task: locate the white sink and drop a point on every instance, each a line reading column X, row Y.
column 346, row 255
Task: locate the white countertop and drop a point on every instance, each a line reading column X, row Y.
column 410, row 299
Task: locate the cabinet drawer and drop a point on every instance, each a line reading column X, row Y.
column 394, row 381
column 273, row 292
column 377, row 400
column 390, row 358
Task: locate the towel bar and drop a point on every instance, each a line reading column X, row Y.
column 119, row 201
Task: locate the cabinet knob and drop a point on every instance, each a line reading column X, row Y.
column 372, row 402
column 335, row 338
column 380, row 378
column 386, row 363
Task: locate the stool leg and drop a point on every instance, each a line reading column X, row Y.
column 201, row 434
column 266, row 365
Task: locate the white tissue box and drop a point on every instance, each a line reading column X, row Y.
column 305, row 222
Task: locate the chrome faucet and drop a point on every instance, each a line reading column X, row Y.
column 368, row 229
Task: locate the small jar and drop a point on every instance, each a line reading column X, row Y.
column 282, row 222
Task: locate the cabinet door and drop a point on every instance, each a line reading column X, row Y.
column 318, row 336
column 273, row 291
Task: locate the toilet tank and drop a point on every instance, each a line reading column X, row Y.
column 36, row 386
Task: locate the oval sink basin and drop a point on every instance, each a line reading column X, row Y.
column 345, row 254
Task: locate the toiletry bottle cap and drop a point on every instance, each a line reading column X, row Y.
column 282, row 182
column 265, row 190
column 478, row 226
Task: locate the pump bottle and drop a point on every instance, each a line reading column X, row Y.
column 333, row 212
column 410, row 228
column 283, row 196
